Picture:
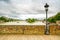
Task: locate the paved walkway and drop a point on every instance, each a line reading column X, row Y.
column 29, row 37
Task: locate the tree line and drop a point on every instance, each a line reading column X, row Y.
column 55, row 18
column 6, row 19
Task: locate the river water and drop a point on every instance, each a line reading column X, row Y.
column 23, row 23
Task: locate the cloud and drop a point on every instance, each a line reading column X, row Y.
column 28, row 8
column 7, row 1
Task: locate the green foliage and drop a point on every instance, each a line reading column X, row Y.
column 31, row 20
column 57, row 16
column 5, row 19
column 54, row 18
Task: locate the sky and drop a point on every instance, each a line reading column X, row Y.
column 23, row 9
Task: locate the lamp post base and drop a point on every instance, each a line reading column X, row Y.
column 47, row 33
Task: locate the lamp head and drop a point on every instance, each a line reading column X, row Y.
column 46, row 5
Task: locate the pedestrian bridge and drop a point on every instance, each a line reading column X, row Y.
column 28, row 29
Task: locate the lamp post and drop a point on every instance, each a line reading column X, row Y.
column 46, row 27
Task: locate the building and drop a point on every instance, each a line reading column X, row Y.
column 58, row 22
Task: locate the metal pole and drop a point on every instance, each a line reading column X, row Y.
column 46, row 28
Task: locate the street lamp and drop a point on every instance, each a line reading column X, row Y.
column 46, row 27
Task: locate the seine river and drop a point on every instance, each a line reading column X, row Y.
column 23, row 23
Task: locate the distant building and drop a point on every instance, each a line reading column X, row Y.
column 58, row 22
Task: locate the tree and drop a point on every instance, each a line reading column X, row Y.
column 57, row 16
column 6, row 19
column 54, row 18
column 31, row 20
column 3, row 18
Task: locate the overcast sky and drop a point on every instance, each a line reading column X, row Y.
column 24, row 9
